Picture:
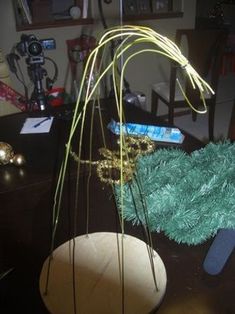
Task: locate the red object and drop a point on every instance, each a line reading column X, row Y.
column 78, row 50
column 9, row 94
column 55, row 96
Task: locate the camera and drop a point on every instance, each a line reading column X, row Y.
column 33, row 48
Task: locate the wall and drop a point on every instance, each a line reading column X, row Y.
column 141, row 74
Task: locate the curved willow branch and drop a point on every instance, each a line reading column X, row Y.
column 129, row 36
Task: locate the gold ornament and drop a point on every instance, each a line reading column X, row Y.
column 7, row 155
column 18, row 160
column 109, row 169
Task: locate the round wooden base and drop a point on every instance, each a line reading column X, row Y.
column 98, row 276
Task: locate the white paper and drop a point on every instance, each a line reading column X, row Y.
column 37, row 125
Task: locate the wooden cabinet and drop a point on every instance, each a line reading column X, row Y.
column 38, row 14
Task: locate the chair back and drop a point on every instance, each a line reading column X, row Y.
column 205, row 54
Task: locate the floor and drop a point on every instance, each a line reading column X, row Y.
column 225, row 99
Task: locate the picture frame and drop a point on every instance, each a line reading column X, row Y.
column 61, row 9
column 161, row 6
column 130, row 7
column 144, row 6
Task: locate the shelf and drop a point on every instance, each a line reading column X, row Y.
column 153, row 16
column 50, row 24
column 41, row 13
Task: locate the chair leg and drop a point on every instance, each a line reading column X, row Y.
column 171, row 114
column 154, row 103
column 194, row 116
column 211, row 120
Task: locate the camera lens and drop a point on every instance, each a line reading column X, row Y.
column 35, row 48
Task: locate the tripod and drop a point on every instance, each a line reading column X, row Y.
column 36, row 74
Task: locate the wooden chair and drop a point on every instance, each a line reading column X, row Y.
column 205, row 51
